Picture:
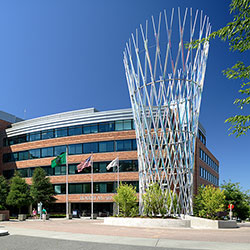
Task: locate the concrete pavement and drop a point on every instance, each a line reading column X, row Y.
column 96, row 231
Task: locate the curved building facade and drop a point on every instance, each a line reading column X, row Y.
column 33, row 143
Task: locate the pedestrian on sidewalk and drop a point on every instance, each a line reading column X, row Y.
column 34, row 213
column 44, row 213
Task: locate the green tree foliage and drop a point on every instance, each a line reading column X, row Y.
column 237, row 33
column 237, row 197
column 157, row 202
column 19, row 195
column 41, row 189
column 4, row 189
column 126, row 200
column 209, row 202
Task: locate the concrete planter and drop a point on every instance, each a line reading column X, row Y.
column 22, row 217
column 2, row 217
column 185, row 222
column 147, row 222
column 201, row 223
column 6, row 213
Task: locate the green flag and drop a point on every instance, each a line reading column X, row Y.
column 59, row 160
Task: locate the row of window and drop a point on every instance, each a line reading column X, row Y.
column 70, row 131
column 98, row 187
column 98, row 167
column 208, row 176
column 73, row 149
column 209, row 161
column 202, row 137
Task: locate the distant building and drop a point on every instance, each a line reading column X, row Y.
column 25, row 145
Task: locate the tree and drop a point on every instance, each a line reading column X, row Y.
column 237, row 33
column 126, row 200
column 209, row 202
column 41, row 189
column 19, row 195
column 4, row 189
column 237, row 197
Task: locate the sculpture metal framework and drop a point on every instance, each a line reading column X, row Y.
column 165, row 77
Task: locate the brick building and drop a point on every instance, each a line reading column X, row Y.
column 33, row 143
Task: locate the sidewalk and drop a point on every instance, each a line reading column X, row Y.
column 96, row 231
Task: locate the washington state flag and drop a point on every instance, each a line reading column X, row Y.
column 59, row 160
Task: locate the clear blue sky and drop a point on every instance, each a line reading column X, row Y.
column 64, row 55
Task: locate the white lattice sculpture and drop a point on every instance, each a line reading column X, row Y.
column 165, row 77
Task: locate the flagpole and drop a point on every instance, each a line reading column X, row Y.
column 92, row 188
column 118, row 181
column 118, row 174
column 67, row 185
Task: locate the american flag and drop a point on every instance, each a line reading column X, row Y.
column 84, row 164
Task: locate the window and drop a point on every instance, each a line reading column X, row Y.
column 49, row 170
column 34, row 153
column 13, row 140
column 75, row 149
column 59, row 150
column 47, row 134
column 89, row 129
column 128, row 124
column 60, row 188
column 124, row 145
column 102, row 167
column 73, row 169
column 15, row 156
column 107, row 146
column 110, row 187
column 23, row 172
column 106, row 127
column 91, row 147
column 75, row 188
column 23, row 138
column 60, row 170
column 35, row 136
column 86, row 188
column 47, row 152
column 128, row 166
column 24, row 155
column 119, row 146
column 134, row 144
column 61, row 132
column 123, row 125
column 100, row 188
column 76, row 130
column 118, row 125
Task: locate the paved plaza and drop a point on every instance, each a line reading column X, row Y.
column 88, row 234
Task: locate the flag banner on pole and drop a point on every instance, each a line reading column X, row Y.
column 113, row 163
column 59, row 160
column 84, row 164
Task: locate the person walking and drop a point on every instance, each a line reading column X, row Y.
column 44, row 213
column 34, row 213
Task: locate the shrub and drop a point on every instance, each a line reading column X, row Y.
column 126, row 200
column 209, row 202
column 157, row 202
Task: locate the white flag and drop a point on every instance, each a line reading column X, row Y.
column 114, row 163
